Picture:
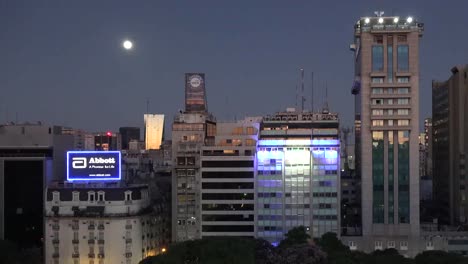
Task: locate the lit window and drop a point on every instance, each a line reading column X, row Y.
column 403, row 112
column 404, row 245
column 391, row 244
column 390, row 112
column 390, row 122
column 378, row 245
column 403, row 101
column 403, row 79
column 390, row 101
column 377, row 122
column 403, row 122
column 377, row 112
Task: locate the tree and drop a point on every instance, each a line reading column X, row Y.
column 295, row 236
column 439, row 257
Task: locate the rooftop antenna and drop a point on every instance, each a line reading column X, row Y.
column 325, row 108
column 379, row 13
column 302, row 90
column 147, row 105
column 312, row 93
column 296, row 95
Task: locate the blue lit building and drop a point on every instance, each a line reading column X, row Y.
column 297, row 167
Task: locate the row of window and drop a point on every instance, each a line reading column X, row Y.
column 404, row 90
column 382, row 80
column 400, row 122
column 391, row 101
column 402, row 58
column 381, row 112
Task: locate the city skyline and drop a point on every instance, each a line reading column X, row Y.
column 247, row 50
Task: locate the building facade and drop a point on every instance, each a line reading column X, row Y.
column 99, row 223
column 450, row 146
column 154, row 131
column 386, row 89
column 227, row 180
column 128, row 134
column 298, row 182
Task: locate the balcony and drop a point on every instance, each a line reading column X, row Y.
column 101, row 241
column 75, row 255
column 91, row 255
column 100, row 227
column 55, row 241
column 91, row 241
column 100, row 255
column 75, row 241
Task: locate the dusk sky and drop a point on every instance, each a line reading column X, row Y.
column 61, row 62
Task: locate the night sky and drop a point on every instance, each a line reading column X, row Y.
column 61, row 62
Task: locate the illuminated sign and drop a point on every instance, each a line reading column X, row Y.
column 93, row 165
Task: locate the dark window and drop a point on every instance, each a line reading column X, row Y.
column 228, row 163
column 227, row 185
column 229, row 228
column 227, row 174
column 377, row 58
column 227, row 196
column 241, row 217
column 227, row 207
column 403, row 57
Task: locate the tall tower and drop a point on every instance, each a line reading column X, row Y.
column 387, row 116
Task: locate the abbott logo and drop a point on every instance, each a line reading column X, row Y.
column 79, row 163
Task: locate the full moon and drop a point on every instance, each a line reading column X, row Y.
column 127, row 44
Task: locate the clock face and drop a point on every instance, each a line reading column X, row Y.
column 195, row 81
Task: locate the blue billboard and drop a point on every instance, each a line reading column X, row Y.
column 93, row 165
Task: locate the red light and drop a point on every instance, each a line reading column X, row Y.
column 109, row 134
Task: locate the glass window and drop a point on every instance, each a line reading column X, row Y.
column 403, row 58
column 377, row 101
column 377, row 80
column 377, row 58
column 403, row 112
column 377, row 90
column 403, row 122
column 377, row 122
column 390, row 101
column 390, row 112
column 403, row 79
column 403, row 90
column 377, row 112
column 390, row 122
column 403, row 101
column 390, row 62
column 390, row 90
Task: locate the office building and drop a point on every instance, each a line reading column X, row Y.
column 386, row 90
column 128, row 134
column 154, row 131
column 298, row 182
column 99, row 223
column 31, row 155
column 227, row 180
column 105, row 141
column 190, row 132
column 450, row 146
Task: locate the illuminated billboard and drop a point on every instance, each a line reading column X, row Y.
column 195, row 94
column 93, row 165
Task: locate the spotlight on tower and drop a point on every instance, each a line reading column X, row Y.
column 367, row 20
column 380, row 20
column 409, row 19
column 395, row 20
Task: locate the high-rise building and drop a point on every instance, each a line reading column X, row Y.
column 386, row 90
column 105, row 141
column 298, row 168
column 190, row 131
column 227, row 180
column 450, row 146
column 31, row 155
column 128, row 134
column 154, row 131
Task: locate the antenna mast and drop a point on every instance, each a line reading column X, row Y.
column 302, row 90
column 312, row 94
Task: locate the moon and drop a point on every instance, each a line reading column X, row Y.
column 127, row 44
